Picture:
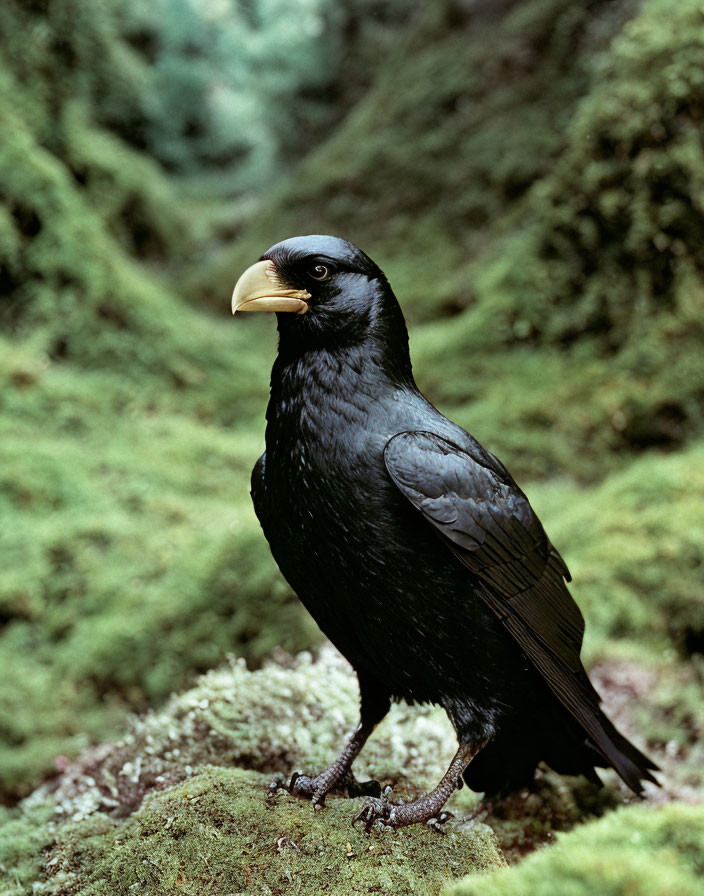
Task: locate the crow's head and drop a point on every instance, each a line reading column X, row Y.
column 325, row 291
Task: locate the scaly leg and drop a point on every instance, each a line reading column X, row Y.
column 426, row 808
column 374, row 706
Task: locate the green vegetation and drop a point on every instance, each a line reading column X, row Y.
column 236, row 95
column 164, row 810
column 529, row 175
column 218, row 833
column 634, row 544
column 651, row 852
column 181, row 800
column 126, row 420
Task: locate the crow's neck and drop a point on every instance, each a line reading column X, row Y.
column 321, row 394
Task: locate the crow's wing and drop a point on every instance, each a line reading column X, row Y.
column 492, row 528
column 487, row 522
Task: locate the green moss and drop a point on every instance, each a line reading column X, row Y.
column 633, row 547
column 652, row 852
column 606, row 247
column 220, row 833
column 164, row 806
column 617, row 218
column 124, row 574
column 124, row 416
column 292, row 714
column 24, row 839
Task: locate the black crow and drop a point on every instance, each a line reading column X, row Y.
column 411, row 545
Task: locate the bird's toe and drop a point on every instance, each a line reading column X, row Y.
column 377, row 809
column 303, row 786
column 437, row 822
column 373, row 810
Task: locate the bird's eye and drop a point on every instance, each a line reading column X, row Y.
column 320, row 272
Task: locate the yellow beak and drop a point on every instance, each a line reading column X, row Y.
column 260, row 289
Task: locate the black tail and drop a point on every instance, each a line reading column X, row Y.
column 632, row 766
column 509, row 760
column 570, row 684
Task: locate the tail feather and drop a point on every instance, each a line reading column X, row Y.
column 509, row 760
column 631, row 765
column 571, row 686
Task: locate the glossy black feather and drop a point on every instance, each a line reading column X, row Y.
column 411, row 545
column 492, row 529
column 488, row 518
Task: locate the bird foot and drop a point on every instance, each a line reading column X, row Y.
column 399, row 815
column 313, row 789
column 317, row 788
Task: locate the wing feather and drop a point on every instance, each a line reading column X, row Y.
column 489, row 525
column 494, row 531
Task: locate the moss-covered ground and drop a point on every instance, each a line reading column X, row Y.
column 183, row 804
column 529, row 176
column 218, row 832
column 644, row 851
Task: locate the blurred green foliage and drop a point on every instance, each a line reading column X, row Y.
column 642, row 851
column 618, row 241
column 240, row 91
column 528, row 175
column 634, row 545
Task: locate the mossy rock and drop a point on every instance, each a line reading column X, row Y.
column 291, row 714
column 220, row 832
column 183, row 805
column 164, row 810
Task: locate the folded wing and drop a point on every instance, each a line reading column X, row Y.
column 488, row 524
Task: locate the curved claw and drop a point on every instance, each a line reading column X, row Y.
column 275, row 785
column 377, row 809
column 316, row 789
column 308, row 788
column 300, row 784
column 292, row 780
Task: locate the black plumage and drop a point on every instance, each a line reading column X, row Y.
column 411, row 545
